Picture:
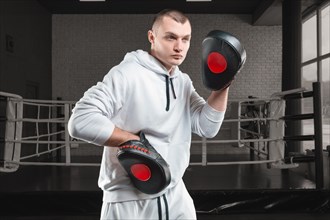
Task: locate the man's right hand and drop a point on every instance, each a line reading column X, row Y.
column 120, row 136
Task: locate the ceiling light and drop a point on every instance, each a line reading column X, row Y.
column 198, row 0
column 92, row 0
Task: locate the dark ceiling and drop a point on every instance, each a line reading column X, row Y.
column 150, row 6
column 264, row 12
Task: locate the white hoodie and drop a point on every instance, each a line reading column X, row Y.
column 140, row 95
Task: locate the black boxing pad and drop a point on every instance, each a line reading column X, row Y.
column 146, row 168
column 222, row 58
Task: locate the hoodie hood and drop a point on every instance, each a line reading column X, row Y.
column 150, row 62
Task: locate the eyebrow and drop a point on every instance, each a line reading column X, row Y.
column 171, row 33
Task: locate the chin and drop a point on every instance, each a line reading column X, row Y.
column 177, row 62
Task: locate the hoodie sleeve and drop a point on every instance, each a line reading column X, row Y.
column 91, row 117
column 206, row 121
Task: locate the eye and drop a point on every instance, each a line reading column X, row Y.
column 170, row 37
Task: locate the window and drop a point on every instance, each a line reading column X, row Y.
column 325, row 33
column 315, row 66
column 309, row 42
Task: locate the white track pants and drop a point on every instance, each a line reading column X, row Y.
column 176, row 203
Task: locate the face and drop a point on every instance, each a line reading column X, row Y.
column 170, row 42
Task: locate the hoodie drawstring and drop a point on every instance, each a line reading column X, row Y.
column 159, row 204
column 167, row 94
column 174, row 95
column 167, row 82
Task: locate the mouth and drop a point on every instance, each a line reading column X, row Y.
column 177, row 56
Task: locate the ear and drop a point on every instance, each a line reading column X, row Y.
column 151, row 36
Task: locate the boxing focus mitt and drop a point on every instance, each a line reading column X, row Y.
column 146, row 168
column 223, row 57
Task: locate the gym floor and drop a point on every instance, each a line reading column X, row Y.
column 220, row 192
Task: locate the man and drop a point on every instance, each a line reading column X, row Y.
column 147, row 92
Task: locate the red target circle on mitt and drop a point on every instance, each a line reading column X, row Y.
column 216, row 62
column 141, row 171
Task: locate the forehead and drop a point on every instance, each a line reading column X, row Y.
column 168, row 25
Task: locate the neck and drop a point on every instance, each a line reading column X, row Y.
column 171, row 70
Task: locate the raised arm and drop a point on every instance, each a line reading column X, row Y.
column 218, row 99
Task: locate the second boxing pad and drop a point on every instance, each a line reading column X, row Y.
column 222, row 58
column 146, row 168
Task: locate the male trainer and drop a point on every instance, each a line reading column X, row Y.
column 143, row 113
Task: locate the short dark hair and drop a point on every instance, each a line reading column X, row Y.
column 176, row 15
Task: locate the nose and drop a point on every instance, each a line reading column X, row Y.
column 178, row 47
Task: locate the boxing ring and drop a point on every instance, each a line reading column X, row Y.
column 36, row 130
column 35, row 141
column 51, row 117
